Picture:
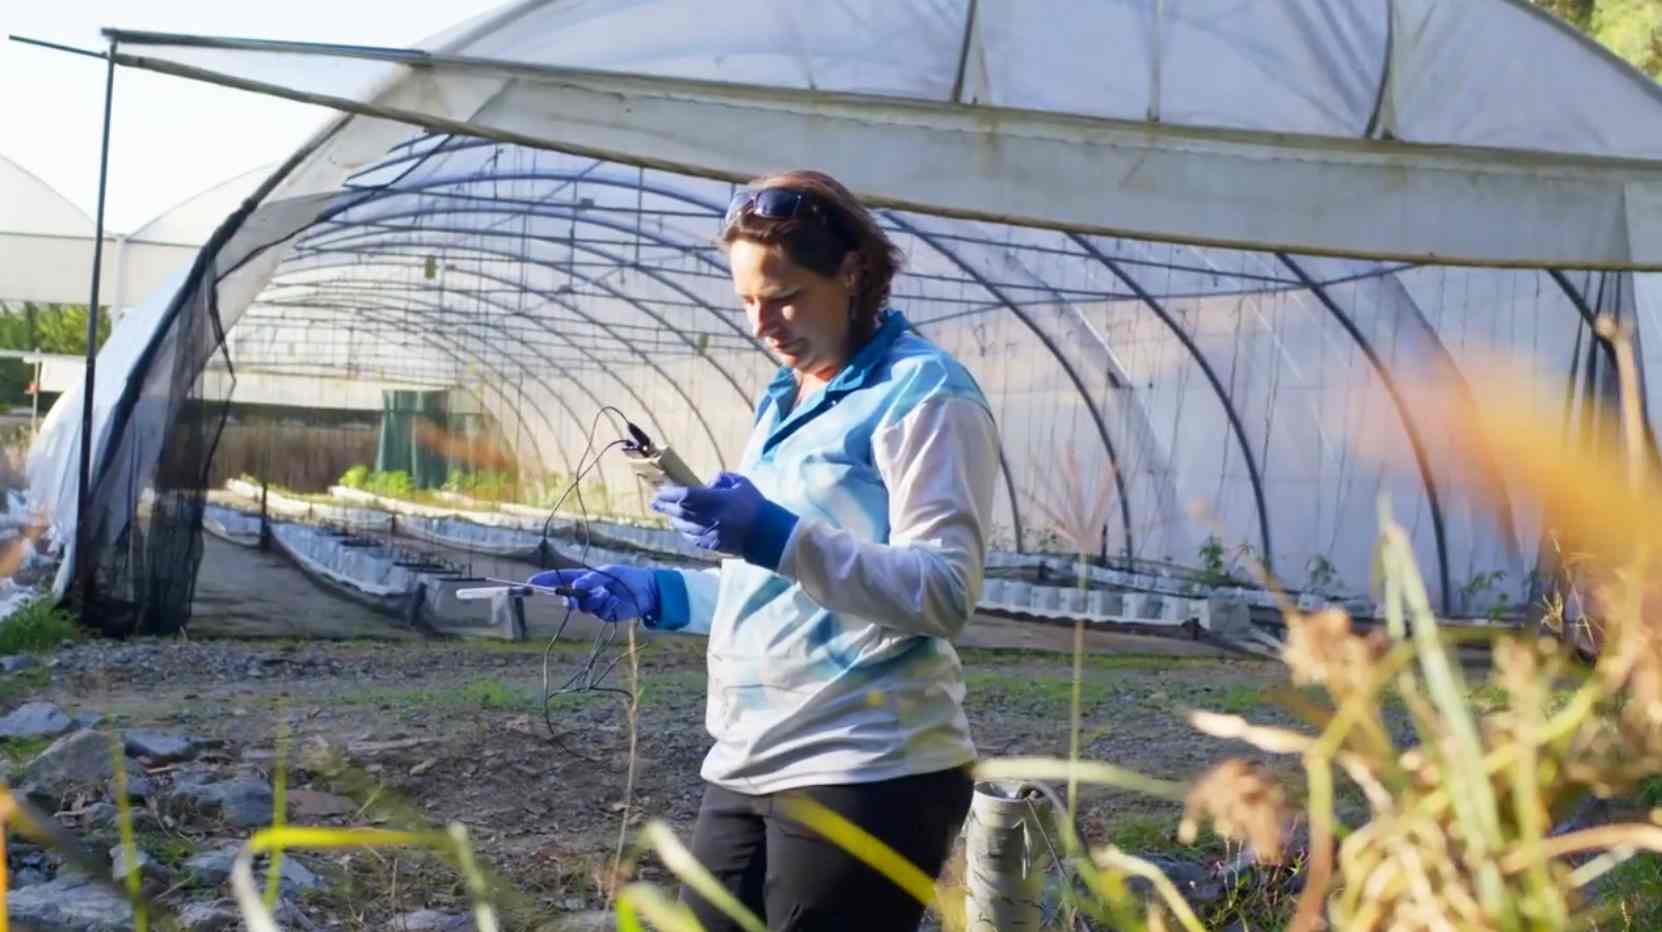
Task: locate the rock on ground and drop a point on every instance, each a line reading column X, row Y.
column 99, row 815
column 214, row 868
column 223, row 915
column 431, row 920
column 35, row 720
column 1194, row 881
column 80, row 757
column 119, row 866
column 161, row 747
column 15, row 662
column 214, row 916
column 295, row 877
column 311, row 804
column 139, row 788
column 594, row 920
column 71, row 903
column 245, row 802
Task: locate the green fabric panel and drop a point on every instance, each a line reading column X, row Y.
column 404, row 414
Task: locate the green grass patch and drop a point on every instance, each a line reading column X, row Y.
column 1000, row 656
column 1257, row 901
column 1489, row 698
column 674, row 688
column 486, row 693
column 1260, row 900
column 1143, row 834
column 20, row 751
column 17, row 687
column 494, row 694
column 37, row 627
column 1650, row 792
column 170, row 851
column 1036, row 696
column 1632, row 897
column 1238, row 699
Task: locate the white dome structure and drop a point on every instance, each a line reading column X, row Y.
column 1193, row 251
column 47, row 241
column 39, row 229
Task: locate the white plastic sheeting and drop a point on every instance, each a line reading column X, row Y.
column 368, row 520
column 484, row 527
column 230, row 524
column 1205, row 123
column 54, row 467
column 40, row 232
column 1129, row 598
column 462, row 534
column 370, row 569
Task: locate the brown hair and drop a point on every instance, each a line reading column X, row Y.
column 822, row 246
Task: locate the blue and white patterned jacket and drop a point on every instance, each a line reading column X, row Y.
column 837, row 666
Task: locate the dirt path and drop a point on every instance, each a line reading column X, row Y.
column 454, row 732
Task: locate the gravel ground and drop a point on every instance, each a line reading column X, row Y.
column 434, row 732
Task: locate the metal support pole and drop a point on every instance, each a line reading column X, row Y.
column 265, row 518
column 84, row 563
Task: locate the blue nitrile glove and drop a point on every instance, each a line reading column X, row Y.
column 729, row 516
column 614, row 592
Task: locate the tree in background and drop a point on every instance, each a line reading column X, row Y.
column 1630, row 28
column 47, row 328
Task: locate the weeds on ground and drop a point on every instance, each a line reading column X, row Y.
column 37, row 627
column 973, row 657
column 1239, row 699
column 168, row 849
column 22, row 750
column 1632, row 896
column 15, row 687
column 1041, row 698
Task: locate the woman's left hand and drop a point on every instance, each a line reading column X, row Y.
column 729, row 516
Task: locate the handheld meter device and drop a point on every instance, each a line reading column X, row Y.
column 657, row 465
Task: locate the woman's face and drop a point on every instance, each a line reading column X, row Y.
column 800, row 314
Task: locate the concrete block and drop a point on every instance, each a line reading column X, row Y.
column 1229, row 618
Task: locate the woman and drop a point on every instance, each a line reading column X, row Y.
column 855, row 531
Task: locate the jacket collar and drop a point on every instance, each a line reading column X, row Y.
column 859, row 372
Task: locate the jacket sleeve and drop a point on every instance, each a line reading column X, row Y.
column 940, row 464
column 686, row 600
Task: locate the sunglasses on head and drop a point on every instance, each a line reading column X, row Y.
column 780, row 204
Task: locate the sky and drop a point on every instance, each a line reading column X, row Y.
column 171, row 138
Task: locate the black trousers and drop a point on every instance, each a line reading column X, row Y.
column 796, row 880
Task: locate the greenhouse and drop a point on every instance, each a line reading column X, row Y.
column 1227, row 278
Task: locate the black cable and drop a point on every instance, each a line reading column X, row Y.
column 585, row 678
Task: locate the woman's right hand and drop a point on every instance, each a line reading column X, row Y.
column 614, row 592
